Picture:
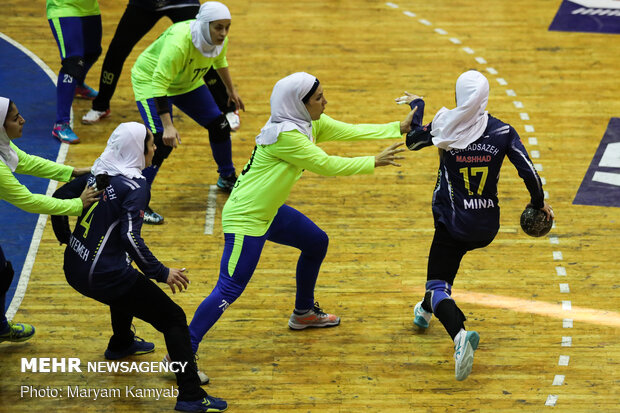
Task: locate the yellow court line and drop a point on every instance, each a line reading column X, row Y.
column 587, row 315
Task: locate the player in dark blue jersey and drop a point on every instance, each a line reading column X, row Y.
column 472, row 146
column 96, row 262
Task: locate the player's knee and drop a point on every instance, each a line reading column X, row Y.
column 91, row 58
column 74, row 66
column 172, row 316
column 230, row 289
column 320, row 242
column 219, row 129
column 436, row 292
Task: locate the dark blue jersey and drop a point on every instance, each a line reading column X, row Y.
column 465, row 196
column 96, row 256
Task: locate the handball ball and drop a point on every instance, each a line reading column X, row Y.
column 534, row 222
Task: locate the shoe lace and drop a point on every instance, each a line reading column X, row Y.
column 135, row 337
column 318, row 310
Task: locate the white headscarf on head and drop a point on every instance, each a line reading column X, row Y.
column 201, row 36
column 7, row 154
column 288, row 111
column 124, row 154
column 457, row 128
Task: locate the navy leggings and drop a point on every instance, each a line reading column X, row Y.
column 240, row 258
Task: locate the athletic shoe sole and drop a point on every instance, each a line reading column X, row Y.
column 467, row 361
column 296, row 326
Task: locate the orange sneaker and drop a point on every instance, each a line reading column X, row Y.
column 314, row 317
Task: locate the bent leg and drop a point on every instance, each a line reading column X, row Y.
column 148, row 302
column 201, row 107
column 291, row 227
column 133, row 25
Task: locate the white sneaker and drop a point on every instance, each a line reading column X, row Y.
column 204, row 379
column 94, row 116
column 465, row 343
column 421, row 317
column 234, row 120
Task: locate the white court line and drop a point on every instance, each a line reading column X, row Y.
column 24, row 277
column 551, row 400
column 211, row 204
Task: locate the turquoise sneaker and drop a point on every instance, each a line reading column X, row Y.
column 226, row 183
column 17, row 332
column 84, row 91
column 64, row 133
column 421, row 317
column 152, row 218
column 466, row 342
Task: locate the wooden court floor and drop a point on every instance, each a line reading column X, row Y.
column 518, row 293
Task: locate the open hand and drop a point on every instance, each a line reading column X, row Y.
column 177, row 278
column 388, row 156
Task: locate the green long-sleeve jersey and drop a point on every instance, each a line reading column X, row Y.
column 72, row 8
column 172, row 65
column 17, row 194
column 271, row 172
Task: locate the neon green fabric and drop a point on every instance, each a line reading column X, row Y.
column 235, row 254
column 171, row 65
column 17, row 194
column 269, row 176
column 72, row 8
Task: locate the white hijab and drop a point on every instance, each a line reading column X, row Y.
column 199, row 28
column 124, row 154
column 288, row 112
column 7, row 154
column 458, row 127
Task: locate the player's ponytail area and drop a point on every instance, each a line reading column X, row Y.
column 545, row 308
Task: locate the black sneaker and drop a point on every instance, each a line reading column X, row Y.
column 226, row 183
column 152, row 218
